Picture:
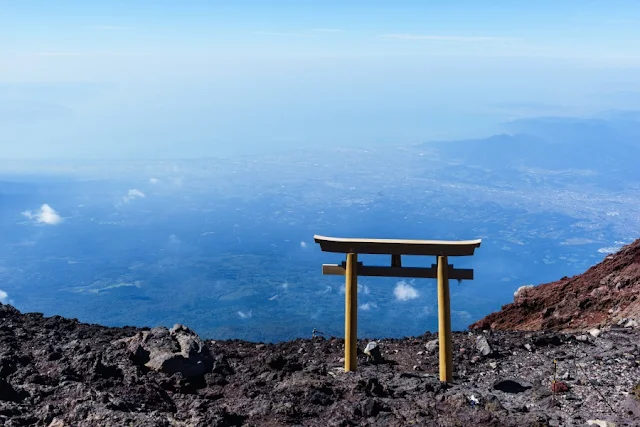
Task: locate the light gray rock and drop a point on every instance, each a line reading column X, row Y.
column 595, row 332
column 631, row 405
column 171, row 351
column 482, row 345
column 600, row 423
column 373, row 351
column 432, row 346
column 631, row 323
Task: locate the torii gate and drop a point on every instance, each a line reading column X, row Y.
column 443, row 271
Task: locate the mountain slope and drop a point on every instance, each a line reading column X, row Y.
column 604, row 295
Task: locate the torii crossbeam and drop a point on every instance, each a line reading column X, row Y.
column 442, row 271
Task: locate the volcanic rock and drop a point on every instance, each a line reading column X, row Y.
column 372, row 350
column 171, row 351
column 432, row 346
column 482, row 345
column 512, row 385
column 604, row 295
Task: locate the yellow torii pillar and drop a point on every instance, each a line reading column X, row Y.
column 351, row 269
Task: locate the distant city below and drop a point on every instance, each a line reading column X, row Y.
column 226, row 245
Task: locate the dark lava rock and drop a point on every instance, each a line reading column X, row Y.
column 492, row 403
column 371, row 407
column 8, row 393
column 171, row 351
column 512, row 385
column 604, row 295
column 58, row 372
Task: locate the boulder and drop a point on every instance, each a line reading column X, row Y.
column 171, row 351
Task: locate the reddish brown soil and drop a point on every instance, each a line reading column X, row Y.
column 603, row 295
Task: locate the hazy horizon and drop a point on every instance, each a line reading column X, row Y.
column 195, row 78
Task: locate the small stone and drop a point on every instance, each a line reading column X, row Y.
column 432, row 346
column 482, row 345
column 631, row 324
column 595, row 332
column 492, row 404
column 260, row 346
column 528, row 347
column 600, row 423
column 420, row 353
column 493, row 365
column 559, row 387
column 583, row 338
column 373, row 351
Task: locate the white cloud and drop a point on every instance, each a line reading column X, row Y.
column 404, row 291
column 368, row 306
column 174, row 239
column 303, row 245
column 437, row 38
column 428, row 311
column 4, row 297
column 522, row 290
column 245, row 314
column 362, row 289
column 154, row 181
column 285, row 285
column 46, row 215
column 132, row 195
column 463, row 315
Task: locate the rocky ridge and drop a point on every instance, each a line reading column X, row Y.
column 606, row 294
column 59, row 372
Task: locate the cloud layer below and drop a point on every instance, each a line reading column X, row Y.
column 45, row 215
column 405, row 292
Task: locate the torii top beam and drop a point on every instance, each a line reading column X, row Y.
column 397, row 246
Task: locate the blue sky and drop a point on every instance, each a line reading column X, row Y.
column 204, row 78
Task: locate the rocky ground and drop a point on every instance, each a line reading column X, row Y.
column 59, row 372
column 606, row 294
